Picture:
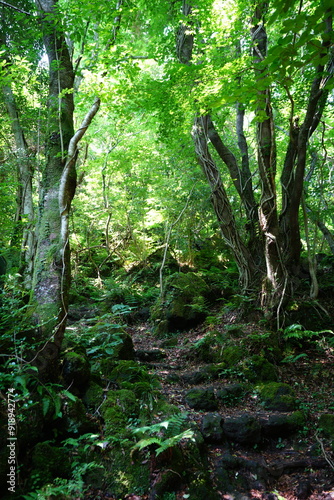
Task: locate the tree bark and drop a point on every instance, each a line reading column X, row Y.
column 222, row 206
column 292, row 179
column 274, row 284
column 204, row 131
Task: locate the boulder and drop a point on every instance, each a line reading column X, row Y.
column 282, row 424
column 244, row 429
column 278, row 397
column 259, row 369
column 201, row 399
column 231, row 394
column 76, row 370
column 212, row 428
column 184, row 305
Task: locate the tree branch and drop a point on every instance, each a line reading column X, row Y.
column 15, row 8
column 72, row 149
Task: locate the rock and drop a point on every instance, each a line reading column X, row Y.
column 212, row 428
column 244, row 429
column 116, row 410
column 76, row 370
column 278, row 397
column 231, row 394
column 304, row 489
column 326, row 424
column 282, row 425
column 74, row 419
column 201, row 399
column 184, row 304
column 259, row 369
column 195, row 378
column 232, row 355
column 93, row 397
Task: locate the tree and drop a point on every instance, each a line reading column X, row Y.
column 51, row 279
column 261, row 79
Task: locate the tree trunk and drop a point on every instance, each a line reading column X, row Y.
column 52, row 265
column 24, row 230
column 293, row 174
column 222, row 206
column 204, row 131
column 274, row 284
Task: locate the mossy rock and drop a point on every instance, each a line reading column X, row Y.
column 208, row 349
column 184, row 305
column 326, row 424
column 76, row 370
column 165, row 409
column 212, row 428
column 117, row 409
column 244, row 429
column 283, row 425
column 231, row 355
column 278, row 397
column 93, row 397
column 201, row 399
column 124, row 476
column 48, row 462
column 259, row 369
column 74, row 419
column 231, row 394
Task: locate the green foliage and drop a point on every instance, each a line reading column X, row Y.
column 298, row 334
column 163, row 435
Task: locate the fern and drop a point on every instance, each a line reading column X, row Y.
column 166, row 434
column 298, row 332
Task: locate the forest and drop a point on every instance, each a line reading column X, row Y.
column 167, row 249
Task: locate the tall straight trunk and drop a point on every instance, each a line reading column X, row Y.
column 276, row 276
column 52, row 265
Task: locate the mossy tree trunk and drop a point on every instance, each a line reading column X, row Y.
column 51, row 279
column 52, row 274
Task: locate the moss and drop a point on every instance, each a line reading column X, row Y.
column 118, row 407
column 258, row 368
column 326, row 424
column 232, row 355
column 165, row 409
column 74, row 418
column 278, row 396
column 184, row 304
column 296, row 419
column 124, row 476
column 76, row 369
column 48, row 462
column 93, row 397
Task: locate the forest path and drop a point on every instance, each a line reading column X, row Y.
column 293, row 467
